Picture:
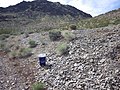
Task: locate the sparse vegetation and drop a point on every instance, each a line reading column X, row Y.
column 94, row 23
column 100, row 21
column 116, row 21
column 24, row 52
column 55, row 35
column 89, row 53
column 38, row 86
column 32, row 44
column 62, row 49
column 7, row 31
column 21, row 53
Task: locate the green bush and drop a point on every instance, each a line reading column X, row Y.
column 73, row 27
column 24, row 52
column 55, row 35
column 62, row 49
column 38, row 86
column 32, row 44
column 68, row 35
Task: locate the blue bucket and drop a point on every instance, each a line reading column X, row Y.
column 42, row 59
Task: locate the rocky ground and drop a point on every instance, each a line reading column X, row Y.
column 93, row 62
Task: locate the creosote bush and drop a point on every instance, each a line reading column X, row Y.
column 38, row 86
column 73, row 27
column 62, row 49
column 32, row 44
column 4, row 47
column 55, row 35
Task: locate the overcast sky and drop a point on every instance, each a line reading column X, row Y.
column 93, row 7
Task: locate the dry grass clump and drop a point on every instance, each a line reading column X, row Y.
column 68, row 35
column 21, row 53
column 62, row 49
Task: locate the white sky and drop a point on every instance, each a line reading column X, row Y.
column 93, row 7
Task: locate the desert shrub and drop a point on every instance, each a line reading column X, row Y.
column 62, row 49
column 4, row 36
column 38, row 86
column 68, row 35
column 22, row 32
column 32, row 44
column 24, row 52
column 73, row 27
column 7, row 31
column 13, row 54
column 55, row 35
column 4, row 47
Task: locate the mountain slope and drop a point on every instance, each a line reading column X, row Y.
column 39, row 15
column 110, row 18
column 45, row 7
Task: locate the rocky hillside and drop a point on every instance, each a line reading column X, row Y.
column 93, row 61
column 38, row 14
column 31, row 9
column 110, row 18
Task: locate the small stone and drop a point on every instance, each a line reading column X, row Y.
column 85, row 55
column 26, row 87
column 102, row 60
column 75, row 65
column 92, row 60
column 58, row 77
column 80, row 67
column 7, row 81
column 71, row 52
column 13, row 83
column 1, row 81
column 117, row 71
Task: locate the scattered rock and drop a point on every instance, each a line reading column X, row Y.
column 92, row 63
